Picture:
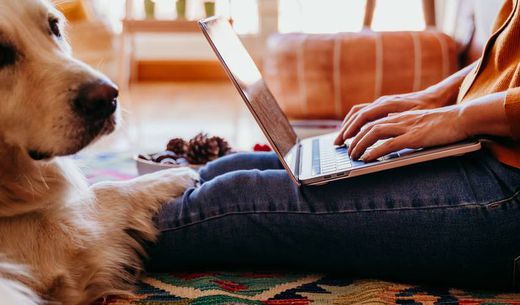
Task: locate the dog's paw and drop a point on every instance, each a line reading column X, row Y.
column 180, row 179
column 169, row 184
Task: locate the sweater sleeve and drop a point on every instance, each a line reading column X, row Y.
column 512, row 106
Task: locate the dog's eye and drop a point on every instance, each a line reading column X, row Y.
column 7, row 55
column 54, row 25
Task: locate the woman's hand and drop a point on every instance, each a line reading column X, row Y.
column 442, row 94
column 362, row 114
column 411, row 129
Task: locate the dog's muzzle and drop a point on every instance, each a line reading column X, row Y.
column 94, row 106
column 96, row 101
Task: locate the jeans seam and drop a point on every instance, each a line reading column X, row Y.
column 494, row 204
column 446, row 207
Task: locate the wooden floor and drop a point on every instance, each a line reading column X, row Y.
column 156, row 112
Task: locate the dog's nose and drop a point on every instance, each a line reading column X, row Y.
column 96, row 101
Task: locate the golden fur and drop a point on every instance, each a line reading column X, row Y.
column 61, row 240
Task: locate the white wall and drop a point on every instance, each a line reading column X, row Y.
column 485, row 13
column 455, row 17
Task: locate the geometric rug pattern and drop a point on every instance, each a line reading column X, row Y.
column 295, row 289
column 239, row 288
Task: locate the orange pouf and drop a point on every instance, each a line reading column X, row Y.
column 324, row 75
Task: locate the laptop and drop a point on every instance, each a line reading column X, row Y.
column 311, row 161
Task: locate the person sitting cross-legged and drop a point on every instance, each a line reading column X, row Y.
column 454, row 221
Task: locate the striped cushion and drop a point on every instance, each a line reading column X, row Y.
column 324, row 75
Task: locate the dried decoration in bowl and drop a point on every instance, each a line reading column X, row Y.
column 178, row 146
column 203, row 149
column 197, row 151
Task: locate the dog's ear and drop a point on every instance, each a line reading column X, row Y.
column 7, row 55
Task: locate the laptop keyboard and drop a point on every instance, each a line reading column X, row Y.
column 328, row 158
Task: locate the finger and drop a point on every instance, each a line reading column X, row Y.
column 353, row 113
column 339, row 139
column 390, row 146
column 378, row 132
column 362, row 117
column 361, row 134
column 365, row 129
column 355, row 109
column 372, row 135
column 363, row 113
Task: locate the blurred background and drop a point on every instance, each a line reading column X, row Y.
column 172, row 85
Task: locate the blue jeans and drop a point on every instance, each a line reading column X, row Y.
column 454, row 221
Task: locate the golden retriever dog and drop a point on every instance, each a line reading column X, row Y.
column 61, row 241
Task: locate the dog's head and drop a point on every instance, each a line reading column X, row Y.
column 50, row 103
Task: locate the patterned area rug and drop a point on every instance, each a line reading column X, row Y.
column 294, row 289
column 236, row 288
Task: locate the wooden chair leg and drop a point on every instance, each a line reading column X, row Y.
column 429, row 13
column 369, row 13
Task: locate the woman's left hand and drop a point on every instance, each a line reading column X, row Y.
column 412, row 129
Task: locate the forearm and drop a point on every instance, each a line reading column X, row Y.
column 448, row 89
column 485, row 116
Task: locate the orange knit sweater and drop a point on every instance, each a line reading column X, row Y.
column 498, row 71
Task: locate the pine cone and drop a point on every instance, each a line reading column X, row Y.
column 223, row 146
column 178, row 146
column 202, row 149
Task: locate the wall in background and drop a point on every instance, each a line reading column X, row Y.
column 485, row 13
column 458, row 17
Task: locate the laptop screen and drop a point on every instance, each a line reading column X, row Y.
column 249, row 81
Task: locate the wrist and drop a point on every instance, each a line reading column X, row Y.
column 442, row 94
column 466, row 120
column 485, row 116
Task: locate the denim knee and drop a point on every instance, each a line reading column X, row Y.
column 246, row 191
column 237, row 162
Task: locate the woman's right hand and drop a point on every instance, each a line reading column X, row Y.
column 362, row 114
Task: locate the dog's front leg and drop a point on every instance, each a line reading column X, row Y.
column 137, row 200
column 156, row 187
column 123, row 212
